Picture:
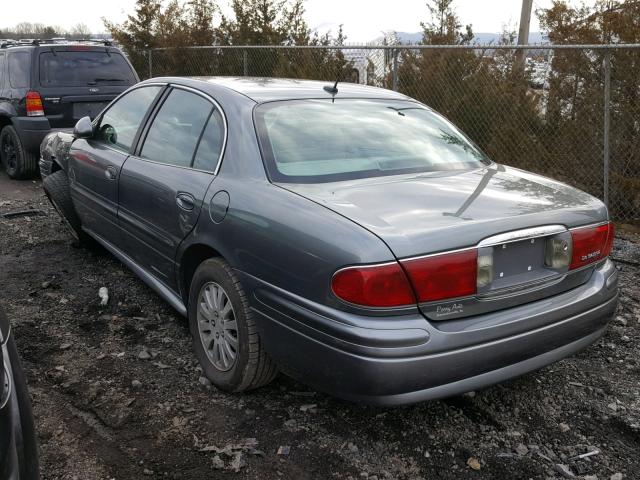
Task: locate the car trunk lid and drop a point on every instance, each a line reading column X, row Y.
column 422, row 215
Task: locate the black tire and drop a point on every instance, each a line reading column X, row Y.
column 26, row 442
column 253, row 368
column 18, row 163
column 56, row 187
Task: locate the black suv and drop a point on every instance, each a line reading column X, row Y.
column 45, row 86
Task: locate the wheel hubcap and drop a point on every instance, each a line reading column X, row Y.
column 217, row 326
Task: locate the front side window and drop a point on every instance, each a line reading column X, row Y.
column 120, row 123
column 315, row 141
column 19, row 69
column 176, row 129
column 79, row 68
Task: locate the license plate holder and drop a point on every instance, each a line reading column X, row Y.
column 87, row 109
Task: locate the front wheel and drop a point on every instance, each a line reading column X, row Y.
column 225, row 337
column 56, row 187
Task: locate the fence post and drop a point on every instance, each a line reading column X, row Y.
column 150, row 51
column 245, row 63
column 395, row 69
column 607, row 122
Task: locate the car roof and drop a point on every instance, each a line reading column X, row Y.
column 262, row 89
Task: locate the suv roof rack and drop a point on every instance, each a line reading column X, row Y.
column 7, row 42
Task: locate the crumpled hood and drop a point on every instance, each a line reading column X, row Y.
column 428, row 213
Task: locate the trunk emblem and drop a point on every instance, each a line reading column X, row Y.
column 94, row 90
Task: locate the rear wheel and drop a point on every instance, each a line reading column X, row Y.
column 56, row 187
column 17, row 162
column 225, row 337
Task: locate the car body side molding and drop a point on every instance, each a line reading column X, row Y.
column 166, row 293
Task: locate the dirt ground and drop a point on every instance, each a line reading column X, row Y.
column 103, row 412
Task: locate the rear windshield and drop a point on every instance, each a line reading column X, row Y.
column 81, row 68
column 315, row 141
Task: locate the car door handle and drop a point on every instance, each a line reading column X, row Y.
column 186, row 201
column 111, row 173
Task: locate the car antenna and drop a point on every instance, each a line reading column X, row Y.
column 332, row 90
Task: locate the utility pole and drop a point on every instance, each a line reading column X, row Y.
column 523, row 36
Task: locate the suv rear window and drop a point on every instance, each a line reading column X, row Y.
column 316, row 141
column 81, row 68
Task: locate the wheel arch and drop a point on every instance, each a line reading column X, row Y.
column 190, row 260
column 4, row 119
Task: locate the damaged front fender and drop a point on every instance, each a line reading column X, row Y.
column 54, row 152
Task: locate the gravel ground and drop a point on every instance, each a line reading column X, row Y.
column 117, row 392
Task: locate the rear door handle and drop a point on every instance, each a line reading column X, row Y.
column 111, row 173
column 186, row 201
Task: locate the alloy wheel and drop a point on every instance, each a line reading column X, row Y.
column 10, row 154
column 217, row 326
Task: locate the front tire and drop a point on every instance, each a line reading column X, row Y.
column 225, row 336
column 18, row 163
column 56, row 187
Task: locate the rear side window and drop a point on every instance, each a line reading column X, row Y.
column 19, row 69
column 176, row 129
column 81, row 68
column 119, row 124
column 211, row 143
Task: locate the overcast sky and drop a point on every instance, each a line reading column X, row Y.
column 363, row 19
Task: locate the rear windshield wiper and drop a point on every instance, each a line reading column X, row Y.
column 96, row 80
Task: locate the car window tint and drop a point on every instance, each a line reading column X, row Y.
column 120, row 123
column 315, row 141
column 174, row 133
column 211, row 143
column 19, row 69
column 80, row 68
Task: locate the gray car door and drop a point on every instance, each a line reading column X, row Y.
column 162, row 187
column 95, row 163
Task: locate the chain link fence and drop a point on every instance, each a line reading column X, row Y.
column 567, row 112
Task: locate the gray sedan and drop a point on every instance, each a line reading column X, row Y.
column 352, row 238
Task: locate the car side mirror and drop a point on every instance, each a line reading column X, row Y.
column 84, row 128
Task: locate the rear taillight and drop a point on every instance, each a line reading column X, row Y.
column 34, row 105
column 461, row 273
column 448, row 275
column 591, row 244
column 373, row 286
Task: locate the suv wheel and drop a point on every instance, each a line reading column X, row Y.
column 56, row 187
column 18, row 163
column 225, row 336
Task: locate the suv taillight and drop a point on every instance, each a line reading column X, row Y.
column 34, row 105
column 591, row 244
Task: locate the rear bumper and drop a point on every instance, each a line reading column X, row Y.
column 32, row 131
column 407, row 359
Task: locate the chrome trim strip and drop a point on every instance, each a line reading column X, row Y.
column 592, row 225
column 524, row 234
column 5, row 395
column 446, row 252
column 162, row 290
